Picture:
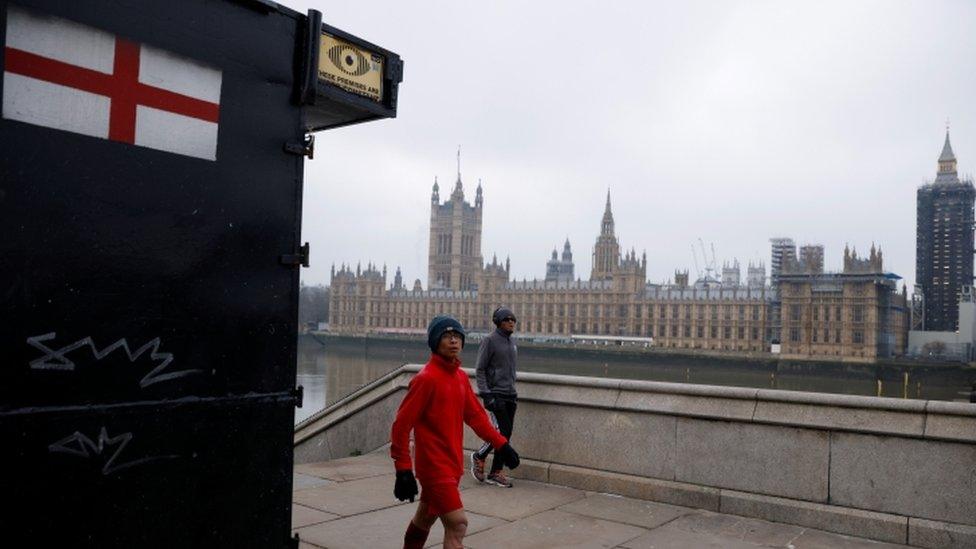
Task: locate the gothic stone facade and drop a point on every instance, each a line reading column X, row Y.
column 855, row 315
column 720, row 319
column 454, row 259
column 616, row 301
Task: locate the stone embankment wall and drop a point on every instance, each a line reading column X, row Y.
column 894, row 470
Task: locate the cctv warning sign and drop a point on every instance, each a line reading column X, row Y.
column 351, row 68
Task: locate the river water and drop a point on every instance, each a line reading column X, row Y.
column 330, row 368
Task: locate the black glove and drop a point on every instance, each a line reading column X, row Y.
column 509, row 456
column 406, row 486
column 489, row 402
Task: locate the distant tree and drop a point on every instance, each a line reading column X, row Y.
column 934, row 348
column 313, row 304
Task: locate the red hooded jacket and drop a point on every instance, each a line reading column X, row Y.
column 438, row 403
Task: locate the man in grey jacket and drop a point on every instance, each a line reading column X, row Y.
column 495, row 373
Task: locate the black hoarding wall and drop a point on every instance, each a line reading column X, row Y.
column 149, row 325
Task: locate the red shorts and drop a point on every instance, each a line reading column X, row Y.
column 440, row 496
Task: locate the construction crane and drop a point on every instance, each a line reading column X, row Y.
column 710, row 266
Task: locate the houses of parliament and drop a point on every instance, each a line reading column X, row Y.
column 714, row 313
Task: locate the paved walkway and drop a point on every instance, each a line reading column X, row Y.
column 349, row 503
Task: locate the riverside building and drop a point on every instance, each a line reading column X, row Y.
column 709, row 314
column 857, row 314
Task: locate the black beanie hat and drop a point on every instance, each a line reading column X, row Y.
column 438, row 326
column 500, row 314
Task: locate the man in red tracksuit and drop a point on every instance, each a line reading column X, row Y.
column 438, row 403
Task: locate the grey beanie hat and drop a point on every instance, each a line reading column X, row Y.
column 501, row 314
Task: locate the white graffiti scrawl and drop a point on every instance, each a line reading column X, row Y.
column 80, row 445
column 56, row 359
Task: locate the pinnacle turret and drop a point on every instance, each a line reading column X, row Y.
column 947, row 162
column 947, row 153
column 606, row 226
column 458, row 193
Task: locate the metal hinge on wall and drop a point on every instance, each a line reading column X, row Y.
column 299, row 394
column 296, row 259
column 303, row 148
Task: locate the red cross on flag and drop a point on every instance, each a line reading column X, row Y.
column 72, row 77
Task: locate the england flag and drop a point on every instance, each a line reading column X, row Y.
column 71, row 77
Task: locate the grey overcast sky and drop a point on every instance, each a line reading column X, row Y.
column 728, row 121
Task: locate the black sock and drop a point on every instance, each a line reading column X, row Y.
column 415, row 537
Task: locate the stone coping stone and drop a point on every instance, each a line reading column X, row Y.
column 951, row 420
column 594, row 397
column 842, row 401
column 934, row 534
column 555, row 528
column 821, row 416
column 950, row 427
column 562, row 379
column 690, row 389
column 842, row 520
column 717, row 407
column 951, row 408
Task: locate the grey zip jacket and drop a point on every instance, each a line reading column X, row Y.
column 495, row 371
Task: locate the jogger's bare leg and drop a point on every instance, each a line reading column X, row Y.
column 421, row 518
column 455, row 526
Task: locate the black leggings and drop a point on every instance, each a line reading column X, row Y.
column 504, row 418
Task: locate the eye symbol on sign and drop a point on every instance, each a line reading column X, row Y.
column 349, row 60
